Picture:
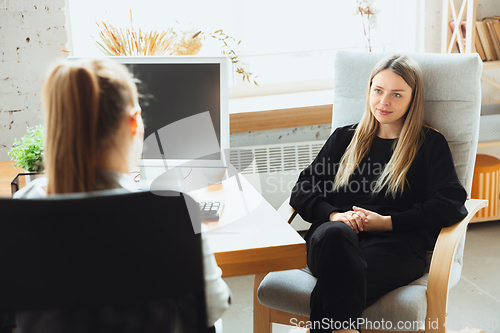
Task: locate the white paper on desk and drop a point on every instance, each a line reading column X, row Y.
column 196, row 135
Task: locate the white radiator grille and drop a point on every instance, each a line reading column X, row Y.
column 274, row 158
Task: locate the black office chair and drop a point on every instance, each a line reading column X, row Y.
column 108, row 261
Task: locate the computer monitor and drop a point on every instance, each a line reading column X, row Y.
column 184, row 107
column 184, row 101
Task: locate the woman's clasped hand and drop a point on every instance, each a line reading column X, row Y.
column 360, row 219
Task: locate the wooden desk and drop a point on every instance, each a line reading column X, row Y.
column 7, row 174
column 251, row 237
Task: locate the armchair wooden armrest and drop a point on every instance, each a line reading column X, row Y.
column 286, row 211
column 440, row 270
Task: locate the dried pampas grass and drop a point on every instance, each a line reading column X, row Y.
column 130, row 42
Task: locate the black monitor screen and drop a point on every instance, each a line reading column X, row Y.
column 174, row 91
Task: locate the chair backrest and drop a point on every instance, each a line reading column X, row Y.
column 452, row 106
column 128, row 261
column 452, row 98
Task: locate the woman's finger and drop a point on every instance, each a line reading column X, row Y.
column 359, row 222
column 362, row 213
column 351, row 216
column 362, row 216
column 346, row 221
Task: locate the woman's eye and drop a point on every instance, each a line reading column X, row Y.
column 378, row 91
column 397, row 95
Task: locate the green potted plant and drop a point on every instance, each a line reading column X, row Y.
column 28, row 152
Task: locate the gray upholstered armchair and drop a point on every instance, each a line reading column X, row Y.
column 453, row 96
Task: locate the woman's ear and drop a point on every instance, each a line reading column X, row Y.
column 133, row 123
column 134, row 118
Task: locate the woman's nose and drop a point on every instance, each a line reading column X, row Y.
column 385, row 100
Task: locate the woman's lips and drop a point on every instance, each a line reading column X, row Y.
column 384, row 112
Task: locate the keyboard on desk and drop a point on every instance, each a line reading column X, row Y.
column 211, row 210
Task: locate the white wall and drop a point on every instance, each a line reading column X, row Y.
column 30, row 40
column 430, row 26
column 23, row 63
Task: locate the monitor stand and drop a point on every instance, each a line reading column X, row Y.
column 181, row 179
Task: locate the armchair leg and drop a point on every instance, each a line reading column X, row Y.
column 261, row 314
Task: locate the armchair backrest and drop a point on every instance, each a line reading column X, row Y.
column 110, row 256
column 452, row 98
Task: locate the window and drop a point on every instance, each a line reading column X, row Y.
column 289, row 44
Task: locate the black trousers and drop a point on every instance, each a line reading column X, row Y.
column 354, row 271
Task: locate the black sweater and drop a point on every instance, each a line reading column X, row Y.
column 433, row 197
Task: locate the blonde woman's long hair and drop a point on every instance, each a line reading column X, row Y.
column 84, row 104
column 406, row 145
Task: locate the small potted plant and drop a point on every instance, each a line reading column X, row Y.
column 28, row 154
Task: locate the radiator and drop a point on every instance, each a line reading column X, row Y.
column 274, row 169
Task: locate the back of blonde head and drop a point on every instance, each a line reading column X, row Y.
column 83, row 103
column 393, row 177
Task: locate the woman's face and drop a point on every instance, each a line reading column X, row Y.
column 390, row 98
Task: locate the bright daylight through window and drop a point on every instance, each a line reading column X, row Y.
column 288, row 44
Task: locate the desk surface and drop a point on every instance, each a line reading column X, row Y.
column 251, row 237
column 7, row 174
